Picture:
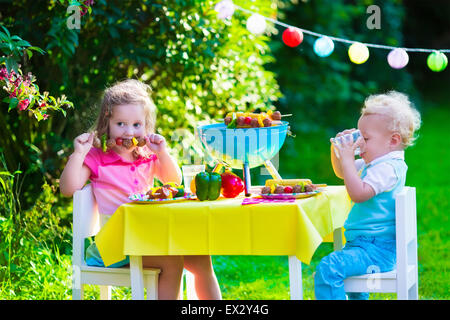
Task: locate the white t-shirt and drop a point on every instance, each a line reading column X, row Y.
column 380, row 176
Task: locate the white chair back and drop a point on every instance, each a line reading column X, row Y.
column 405, row 219
column 86, row 222
column 406, row 234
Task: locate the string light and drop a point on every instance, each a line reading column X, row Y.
column 225, row 9
column 358, row 53
column 437, row 61
column 398, row 58
column 292, row 37
column 256, row 24
column 324, row 46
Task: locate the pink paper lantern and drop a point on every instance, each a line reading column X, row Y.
column 225, row 9
column 398, row 58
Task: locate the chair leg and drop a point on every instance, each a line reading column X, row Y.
column 402, row 292
column 151, row 286
column 413, row 292
column 137, row 278
column 105, row 292
column 78, row 293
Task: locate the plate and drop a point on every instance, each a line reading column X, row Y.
column 290, row 195
column 142, row 198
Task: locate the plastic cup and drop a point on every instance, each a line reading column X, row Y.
column 353, row 136
column 189, row 173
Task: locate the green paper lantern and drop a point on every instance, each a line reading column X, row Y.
column 437, row 61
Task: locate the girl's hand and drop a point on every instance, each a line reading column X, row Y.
column 156, row 143
column 83, row 143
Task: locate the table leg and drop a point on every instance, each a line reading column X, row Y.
column 295, row 278
column 137, row 278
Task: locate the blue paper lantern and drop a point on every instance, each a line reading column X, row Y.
column 323, row 46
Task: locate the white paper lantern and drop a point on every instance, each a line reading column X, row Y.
column 256, row 24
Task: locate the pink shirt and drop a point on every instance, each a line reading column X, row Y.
column 114, row 179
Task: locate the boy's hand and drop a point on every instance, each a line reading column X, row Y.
column 83, row 143
column 346, row 150
column 156, row 143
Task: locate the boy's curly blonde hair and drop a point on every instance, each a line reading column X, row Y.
column 404, row 118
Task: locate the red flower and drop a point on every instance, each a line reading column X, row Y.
column 3, row 73
column 23, row 104
column 87, row 4
column 13, row 94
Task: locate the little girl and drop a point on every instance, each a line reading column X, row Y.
column 127, row 111
column 387, row 127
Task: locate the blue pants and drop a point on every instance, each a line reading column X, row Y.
column 360, row 256
column 93, row 258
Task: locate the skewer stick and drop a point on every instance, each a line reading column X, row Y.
column 286, row 115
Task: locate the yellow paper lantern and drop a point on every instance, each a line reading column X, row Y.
column 358, row 53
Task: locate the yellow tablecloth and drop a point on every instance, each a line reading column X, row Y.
column 224, row 227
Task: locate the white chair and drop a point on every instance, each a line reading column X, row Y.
column 404, row 279
column 86, row 224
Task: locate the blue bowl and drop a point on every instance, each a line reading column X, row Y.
column 235, row 147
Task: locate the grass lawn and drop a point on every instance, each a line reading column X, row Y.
column 242, row 277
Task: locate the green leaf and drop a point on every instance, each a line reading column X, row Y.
column 22, row 43
column 6, row 173
column 36, row 49
column 16, row 38
column 13, row 103
column 6, row 32
column 11, row 64
column 38, row 115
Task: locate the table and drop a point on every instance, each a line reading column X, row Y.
column 223, row 227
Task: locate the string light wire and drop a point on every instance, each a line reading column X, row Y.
column 372, row 45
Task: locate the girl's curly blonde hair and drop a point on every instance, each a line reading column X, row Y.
column 129, row 91
column 404, row 118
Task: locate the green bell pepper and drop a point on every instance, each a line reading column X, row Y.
column 208, row 185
